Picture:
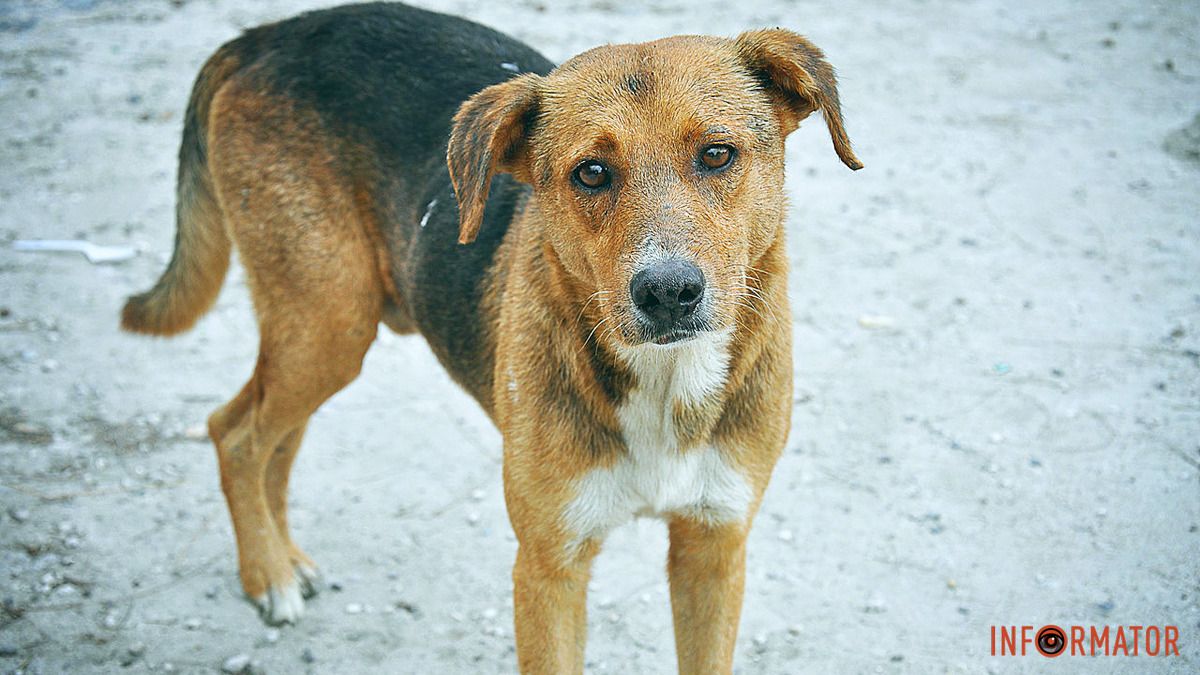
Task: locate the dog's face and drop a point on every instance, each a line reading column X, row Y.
column 657, row 169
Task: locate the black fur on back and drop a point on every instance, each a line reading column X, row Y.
column 385, row 80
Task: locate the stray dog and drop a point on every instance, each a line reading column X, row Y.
column 594, row 251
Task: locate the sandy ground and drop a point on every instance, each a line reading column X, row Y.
column 1020, row 446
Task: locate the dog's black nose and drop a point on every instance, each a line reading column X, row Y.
column 667, row 291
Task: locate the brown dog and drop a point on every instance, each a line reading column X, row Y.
column 621, row 315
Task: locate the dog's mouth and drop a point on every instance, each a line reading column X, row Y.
column 674, row 337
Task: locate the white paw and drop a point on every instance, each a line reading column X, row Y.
column 282, row 604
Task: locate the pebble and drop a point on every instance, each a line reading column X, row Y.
column 271, row 636
column 18, row 515
column 49, row 366
column 473, row 518
column 477, row 495
column 795, row 629
column 137, row 649
column 192, row 623
column 876, row 321
column 196, row 432
column 354, row 608
column 490, row 613
column 785, row 535
column 307, row 656
column 239, row 663
column 875, row 605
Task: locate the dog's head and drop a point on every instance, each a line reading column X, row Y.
column 657, row 169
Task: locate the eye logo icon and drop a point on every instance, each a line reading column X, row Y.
column 1050, row 641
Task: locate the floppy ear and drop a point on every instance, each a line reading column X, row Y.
column 795, row 73
column 489, row 136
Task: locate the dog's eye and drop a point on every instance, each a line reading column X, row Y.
column 716, row 157
column 592, row 175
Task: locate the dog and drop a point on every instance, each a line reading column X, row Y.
column 594, row 251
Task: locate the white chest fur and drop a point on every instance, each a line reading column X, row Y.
column 655, row 477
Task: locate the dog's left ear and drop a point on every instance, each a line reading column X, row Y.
column 795, row 73
column 490, row 136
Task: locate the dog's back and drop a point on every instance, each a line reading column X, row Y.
column 383, row 82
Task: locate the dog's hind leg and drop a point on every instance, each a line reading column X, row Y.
column 311, row 348
column 312, row 267
column 279, row 468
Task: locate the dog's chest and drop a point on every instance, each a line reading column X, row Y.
column 655, row 476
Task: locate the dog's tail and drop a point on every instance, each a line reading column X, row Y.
column 190, row 284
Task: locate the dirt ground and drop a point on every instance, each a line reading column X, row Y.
column 997, row 413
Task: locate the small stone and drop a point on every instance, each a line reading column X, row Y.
column 490, row 613
column 473, row 518
column 271, row 636
column 785, row 535
column 354, row 608
column 307, row 656
column 18, row 515
column 951, row 584
column 876, row 321
column 192, row 623
column 239, row 663
column 196, row 432
column 477, row 495
column 875, row 605
column 795, row 629
column 136, row 649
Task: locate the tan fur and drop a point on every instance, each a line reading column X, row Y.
column 557, row 297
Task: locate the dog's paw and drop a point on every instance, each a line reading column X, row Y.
column 282, row 604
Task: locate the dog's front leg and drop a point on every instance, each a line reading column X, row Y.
column 550, row 607
column 707, row 569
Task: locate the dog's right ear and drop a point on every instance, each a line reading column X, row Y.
column 490, row 136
